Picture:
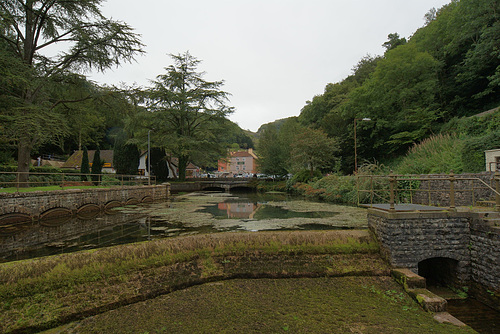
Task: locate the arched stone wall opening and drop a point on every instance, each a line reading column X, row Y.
column 213, row 188
column 242, row 189
column 440, row 271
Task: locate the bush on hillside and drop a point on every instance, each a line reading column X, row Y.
column 473, row 151
column 437, row 154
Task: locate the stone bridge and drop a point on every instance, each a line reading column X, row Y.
column 39, row 205
column 225, row 184
column 446, row 247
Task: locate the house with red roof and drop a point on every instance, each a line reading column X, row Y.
column 239, row 163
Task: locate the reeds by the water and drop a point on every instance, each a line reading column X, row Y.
column 95, row 264
column 437, row 154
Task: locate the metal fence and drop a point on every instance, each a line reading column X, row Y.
column 67, row 180
column 446, row 190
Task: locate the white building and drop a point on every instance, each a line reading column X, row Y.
column 492, row 158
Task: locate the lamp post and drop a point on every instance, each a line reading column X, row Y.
column 355, row 143
column 149, row 158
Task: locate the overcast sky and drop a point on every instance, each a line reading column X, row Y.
column 273, row 55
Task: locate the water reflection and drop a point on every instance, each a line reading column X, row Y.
column 259, row 211
column 27, row 239
column 480, row 317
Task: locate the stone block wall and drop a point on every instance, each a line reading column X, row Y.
column 408, row 238
column 485, row 262
column 436, row 191
column 37, row 202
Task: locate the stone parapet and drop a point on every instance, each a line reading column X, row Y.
column 37, row 202
column 409, row 238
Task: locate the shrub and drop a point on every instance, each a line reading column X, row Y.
column 436, row 154
column 473, row 151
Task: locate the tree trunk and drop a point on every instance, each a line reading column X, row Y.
column 183, row 161
column 23, row 162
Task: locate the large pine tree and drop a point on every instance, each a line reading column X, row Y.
column 188, row 113
column 85, row 40
column 85, row 168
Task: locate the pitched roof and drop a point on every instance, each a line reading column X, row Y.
column 241, row 154
column 248, row 153
column 75, row 160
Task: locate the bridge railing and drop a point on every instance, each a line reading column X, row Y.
column 444, row 190
column 65, row 180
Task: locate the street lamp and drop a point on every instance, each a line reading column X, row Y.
column 355, row 144
column 149, row 158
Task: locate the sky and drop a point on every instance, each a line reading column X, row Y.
column 273, row 55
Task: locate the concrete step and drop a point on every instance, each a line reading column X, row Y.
column 408, row 279
column 489, row 214
column 442, row 317
column 428, row 300
column 486, row 203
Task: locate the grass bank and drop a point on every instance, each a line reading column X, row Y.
column 306, row 305
column 199, row 278
column 43, row 293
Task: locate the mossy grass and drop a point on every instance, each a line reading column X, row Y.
column 305, row 305
column 41, row 293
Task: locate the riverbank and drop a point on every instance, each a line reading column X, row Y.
column 359, row 304
column 47, row 292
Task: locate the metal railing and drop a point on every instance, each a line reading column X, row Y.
column 447, row 190
column 67, row 180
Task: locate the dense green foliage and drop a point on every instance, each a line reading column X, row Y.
column 85, row 168
column 126, row 156
column 436, row 154
column 449, row 68
column 45, row 84
column 48, row 107
column 186, row 114
column 97, row 164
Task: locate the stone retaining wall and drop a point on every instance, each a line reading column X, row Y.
column 408, row 238
column 37, row 202
column 485, row 262
column 436, row 191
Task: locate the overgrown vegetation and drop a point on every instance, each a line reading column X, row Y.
column 75, row 285
column 420, row 91
column 305, row 305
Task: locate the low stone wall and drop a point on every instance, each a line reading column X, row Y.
column 37, row 202
column 485, row 262
column 407, row 238
column 177, row 187
column 467, row 192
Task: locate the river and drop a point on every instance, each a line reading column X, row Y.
column 194, row 213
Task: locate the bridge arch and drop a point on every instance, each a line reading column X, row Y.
column 213, row 188
column 440, row 271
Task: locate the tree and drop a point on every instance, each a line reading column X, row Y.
column 93, row 42
column 159, row 164
column 84, row 168
column 97, row 164
column 187, row 113
column 401, row 97
column 272, row 154
column 125, row 156
column 393, row 41
column 313, row 150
